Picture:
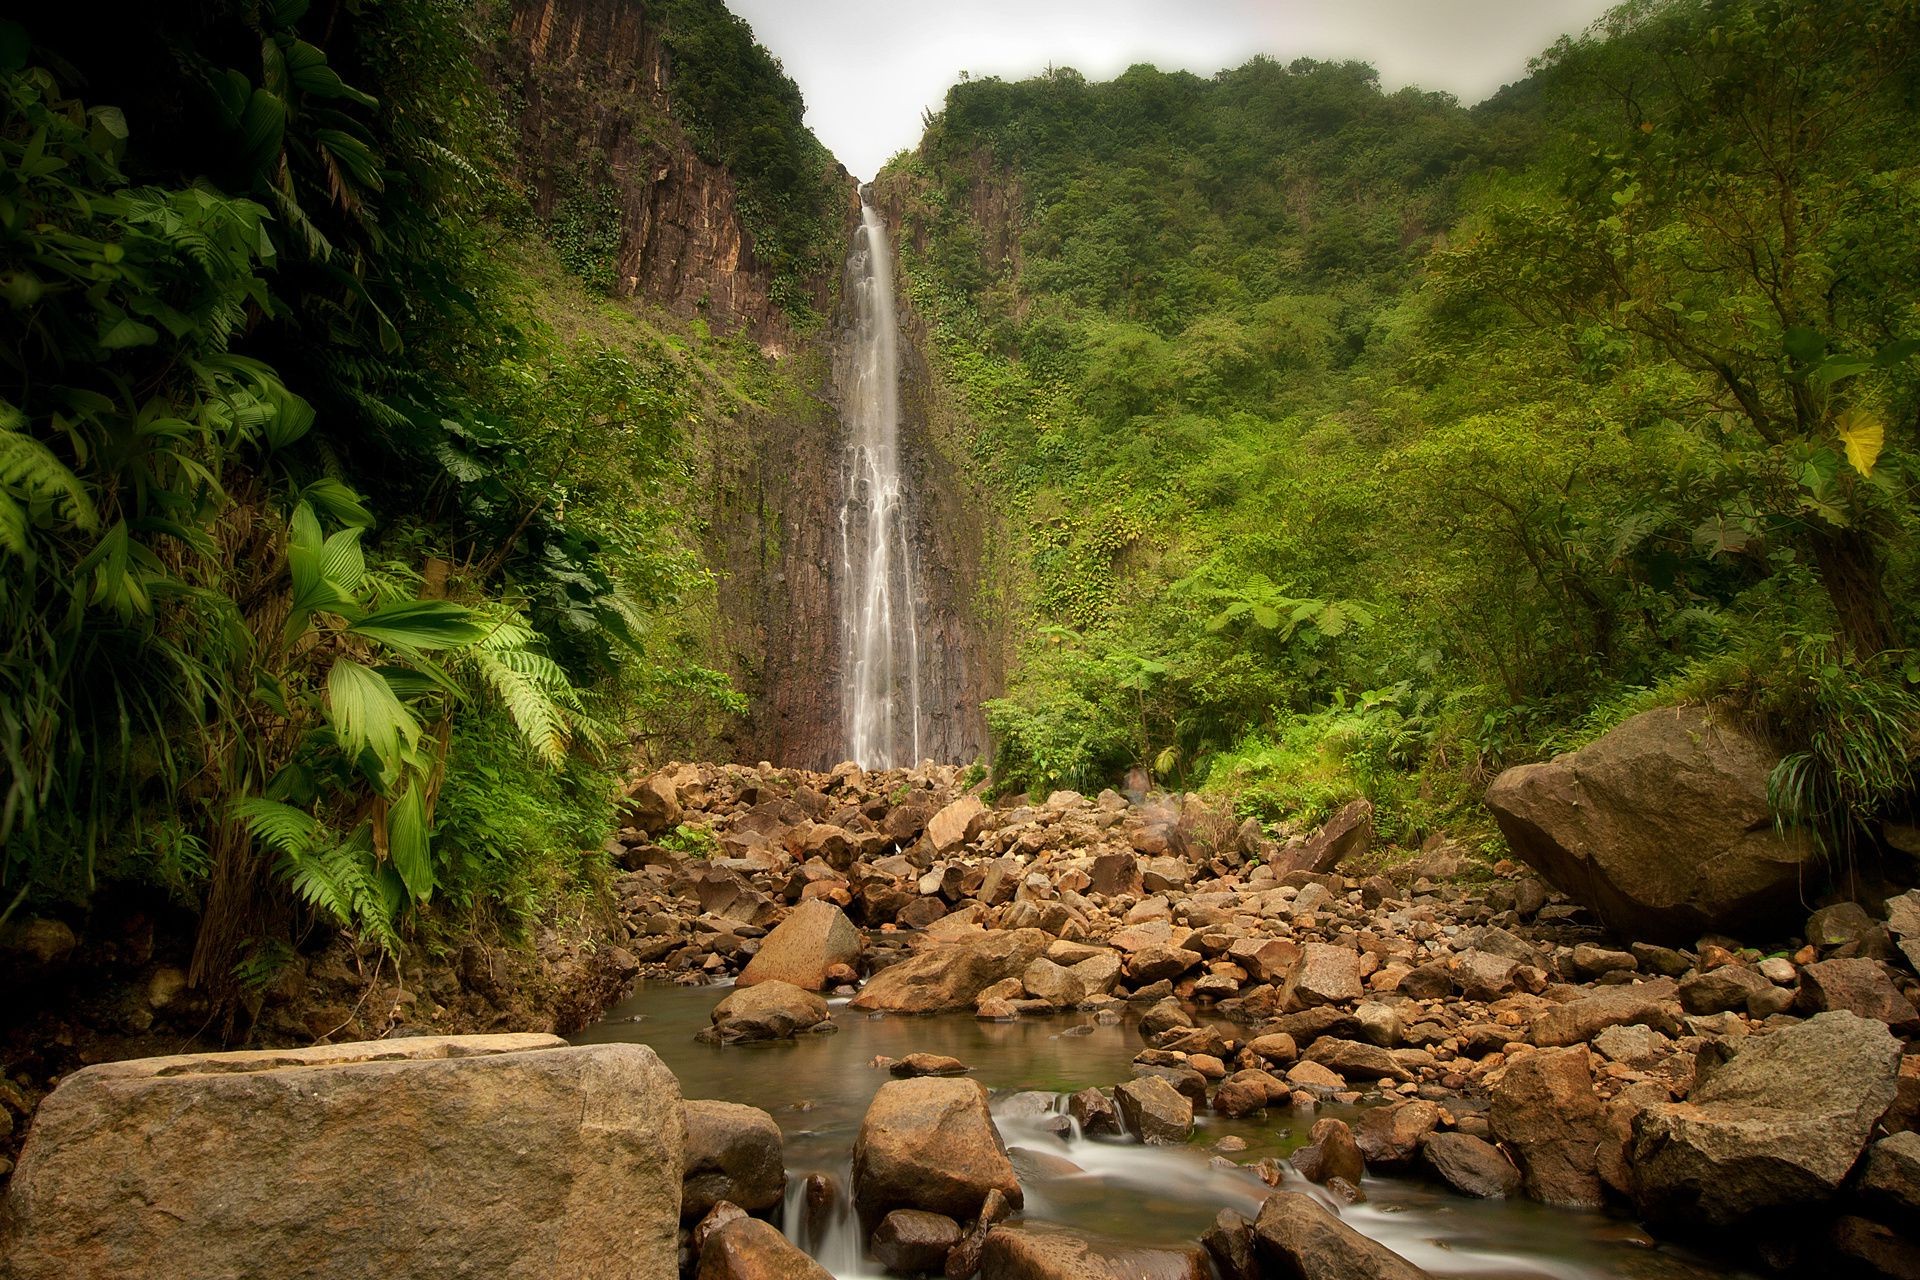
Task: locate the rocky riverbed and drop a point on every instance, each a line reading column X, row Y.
column 1346, row 1012
column 1492, row 1036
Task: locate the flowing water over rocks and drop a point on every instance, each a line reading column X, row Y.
column 879, row 603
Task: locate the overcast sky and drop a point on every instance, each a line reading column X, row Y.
column 869, row 67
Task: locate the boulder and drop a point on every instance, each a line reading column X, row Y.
column 515, row 1155
column 815, row 937
column 1229, row 1242
column 1353, row 1060
column 653, row 805
column 1094, row 1112
column 1730, row 986
column 1777, row 1126
column 1545, row 1110
column 1058, row 986
column 1891, row 1183
column 913, row 1241
column 1578, row 1021
column 1323, row 974
column 1114, row 874
column 1661, row 827
column 1484, row 975
column 773, row 1010
column 1390, row 1137
column 749, row 1249
column 1154, row 1111
column 1330, row 1153
column 1858, row 986
column 956, row 825
column 733, row 1154
column 1157, row 963
column 1472, row 1166
column 951, row 975
column 1031, row 1252
column 927, row 1064
column 930, row 1144
column 1297, row 1236
column 1348, row 833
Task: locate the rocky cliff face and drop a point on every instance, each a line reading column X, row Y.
column 589, row 88
column 588, row 85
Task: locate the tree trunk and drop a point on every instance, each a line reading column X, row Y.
column 1850, row 571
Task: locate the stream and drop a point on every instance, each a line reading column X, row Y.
column 817, row 1089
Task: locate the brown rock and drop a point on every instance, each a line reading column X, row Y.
column 1545, row 1110
column 749, row 1249
column 1661, row 827
column 957, row 824
column 1031, row 1252
column 773, row 1010
column 1330, row 1153
column 805, row 948
column 1390, row 1136
column 927, row 1064
column 951, row 975
column 1858, row 986
column 516, row 1154
column 1297, row 1236
column 1471, row 1166
column 1154, row 1111
column 1348, row 833
column 1352, row 1060
column 912, row 1241
column 733, row 1154
column 930, row 1144
column 1324, row 974
column 1578, row 1021
column 1156, row 963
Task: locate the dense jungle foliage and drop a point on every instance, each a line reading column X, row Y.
column 1362, row 443
column 332, row 567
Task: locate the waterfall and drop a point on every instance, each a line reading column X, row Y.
column 879, row 608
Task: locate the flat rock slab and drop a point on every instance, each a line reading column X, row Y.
column 499, row 1156
column 1037, row 1253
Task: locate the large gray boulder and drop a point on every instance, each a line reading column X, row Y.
column 951, row 975
column 815, row 937
column 1660, row 827
column 930, row 1144
column 508, row 1156
column 1777, row 1127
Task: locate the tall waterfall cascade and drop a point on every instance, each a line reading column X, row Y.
column 878, row 603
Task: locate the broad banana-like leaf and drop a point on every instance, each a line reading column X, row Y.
column 422, row 624
column 366, row 715
column 1864, row 437
column 407, row 841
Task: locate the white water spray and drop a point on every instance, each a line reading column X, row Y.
column 879, row 609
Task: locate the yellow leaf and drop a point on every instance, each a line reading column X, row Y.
column 1864, row 437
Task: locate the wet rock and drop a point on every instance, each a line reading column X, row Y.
column 805, row 948
column 912, row 1241
column 1649, row 1003
column 1297, row 1236
column 927, row 1064
column 1390, row 1136
column 1164, row 1016
column 1545, row 1110
column 1471, row 1166
column 1324, row 974
column 1245, row 1092
column 1661, row 827
column 930, row 1144
column 1030, row 1252
column 1777, row 1126
column 749, row 1249
column 772, row 1010
column 1094, row 1112
column 262, row 1155
column 1858, row 986
column 1276, row 1047
column 951, row 975
column 733, row 1153
column 1330, row 1153
column 1154, row 1111
column 1229, row 1242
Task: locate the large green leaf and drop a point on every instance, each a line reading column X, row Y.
column 422, row 624
column 366, row 716
column 407, row 841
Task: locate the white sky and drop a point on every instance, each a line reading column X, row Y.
column 868, row 68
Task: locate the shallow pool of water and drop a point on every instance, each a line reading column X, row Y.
column 817, row 1088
